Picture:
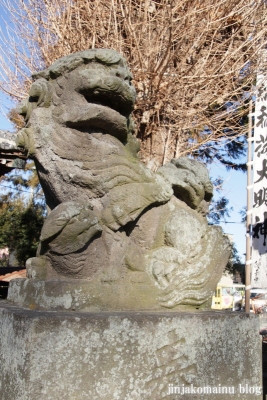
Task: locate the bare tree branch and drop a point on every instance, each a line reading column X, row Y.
column 194, row 62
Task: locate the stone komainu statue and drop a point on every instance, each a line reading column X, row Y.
column 138, row 239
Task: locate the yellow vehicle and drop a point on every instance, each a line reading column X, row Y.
column 228, row 297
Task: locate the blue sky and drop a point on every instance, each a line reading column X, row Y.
column 4, row 122
column 234, row 189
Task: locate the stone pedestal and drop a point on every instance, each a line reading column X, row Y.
column 48, row 355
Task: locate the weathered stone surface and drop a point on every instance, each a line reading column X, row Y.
column 113, row 220
column 80, row 356
column 8, row 140
column 10, row 155
column 129, row 288
column 190, row 181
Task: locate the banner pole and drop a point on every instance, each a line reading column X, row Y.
column 249, row 214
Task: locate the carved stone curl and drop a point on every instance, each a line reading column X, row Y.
column 135, row 239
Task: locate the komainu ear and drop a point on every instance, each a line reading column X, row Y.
column 39, row 96
column 25, row 140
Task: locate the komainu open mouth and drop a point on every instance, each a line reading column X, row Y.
column 115, row 101
column 100, row 117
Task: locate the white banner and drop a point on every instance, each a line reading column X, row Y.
column 259, row 215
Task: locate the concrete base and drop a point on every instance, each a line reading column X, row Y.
column 68, row 355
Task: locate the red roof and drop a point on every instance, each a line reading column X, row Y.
column 13, row 275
